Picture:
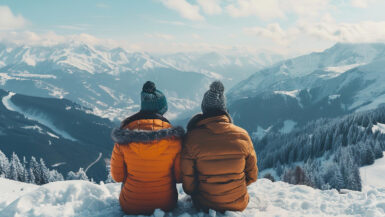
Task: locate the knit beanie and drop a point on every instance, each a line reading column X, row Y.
column 153, row 100
column 214, row 100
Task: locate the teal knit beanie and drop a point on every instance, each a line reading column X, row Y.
column 153, row 100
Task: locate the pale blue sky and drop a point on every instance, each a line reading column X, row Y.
column 286, row 26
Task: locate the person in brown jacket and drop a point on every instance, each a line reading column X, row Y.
column 218, row 159
column 146, row 157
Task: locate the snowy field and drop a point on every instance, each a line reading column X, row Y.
column 85, row 199
column 374, row 175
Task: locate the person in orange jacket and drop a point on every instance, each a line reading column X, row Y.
column 146, row 156
column 218, row 158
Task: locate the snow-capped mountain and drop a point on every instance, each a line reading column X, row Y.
column 342, row 79
column 109, row 80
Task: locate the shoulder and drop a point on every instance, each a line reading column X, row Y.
column 194, row 121
column 239, row 130
column 243, row 137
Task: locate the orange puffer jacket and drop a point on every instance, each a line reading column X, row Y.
column 218, row 162
column 146, row 158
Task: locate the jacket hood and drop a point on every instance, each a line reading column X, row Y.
column 126, row 136
column 194, row 121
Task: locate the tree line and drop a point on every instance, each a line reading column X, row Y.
column 328, row 152
column 33, row 171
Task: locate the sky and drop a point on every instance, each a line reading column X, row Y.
column 289, row 27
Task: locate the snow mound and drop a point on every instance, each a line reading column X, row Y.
column 81, row 198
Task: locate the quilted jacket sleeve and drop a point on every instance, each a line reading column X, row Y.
column 187, row 168
column 117, row 164
column 177, row 172
column 251, row 169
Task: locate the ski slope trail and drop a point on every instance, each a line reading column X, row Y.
column 267, row 199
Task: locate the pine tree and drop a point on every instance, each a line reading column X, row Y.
column 36, row 171
column 4, row 165
column 55, row 176
column 80, row 175
column 31, row 176
column 16, row 168
column 45, row 173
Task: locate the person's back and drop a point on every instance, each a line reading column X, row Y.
column 218, row 158
column 146, row 159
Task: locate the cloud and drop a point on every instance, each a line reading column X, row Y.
column 196, row 36
column 273, row 9
column 272, row 31
column 9, row 21
column 361, row 3
column 52, row 39
column 325, row 30
column 362, row 32
column 184, row 8
column 211, row 7
column 161, row 36
column 261, row 8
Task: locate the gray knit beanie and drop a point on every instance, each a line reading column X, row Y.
column 214, row 99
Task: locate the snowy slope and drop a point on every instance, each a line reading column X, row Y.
column 81, row 198
column 374, row 175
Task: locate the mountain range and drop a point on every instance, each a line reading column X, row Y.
column 109, row 80
column 343, row 79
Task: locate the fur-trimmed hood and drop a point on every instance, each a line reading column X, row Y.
column 126, row 136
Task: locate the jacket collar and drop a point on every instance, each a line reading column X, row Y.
column 126, row 136
column 200, row 120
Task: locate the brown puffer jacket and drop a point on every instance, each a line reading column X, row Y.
column 218, row 162
column 146, row 158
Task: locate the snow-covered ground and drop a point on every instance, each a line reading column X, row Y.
column 81, row 198
column 374, row 175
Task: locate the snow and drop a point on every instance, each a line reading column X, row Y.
column 339, row 70
column 53, row 135
column 30, row 75
column 7, row 102
column 293, row 93
column 333, row 97
column 378, row 127
column 374, row 175
column 93, row 163
column 267, row 199
column 288, row 126
column 10, row 190
column 35, row 127
column 58, row 164
column 35, row 117
column 260, row 133
column 109, row 92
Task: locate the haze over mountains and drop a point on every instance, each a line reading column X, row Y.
column 109, row 80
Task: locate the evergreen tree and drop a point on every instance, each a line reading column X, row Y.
column 36, row 171
column 4, row 165
column 80, row 175
column 16, row 170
